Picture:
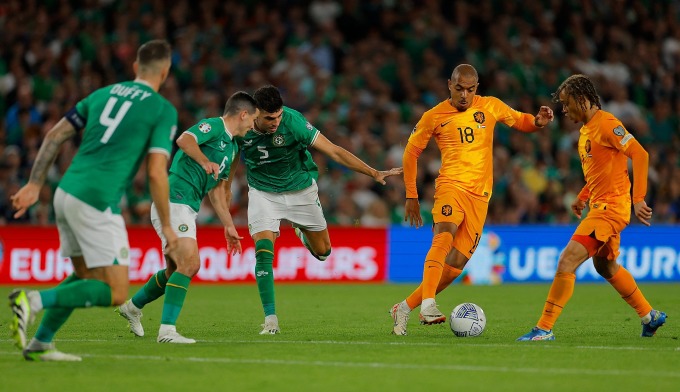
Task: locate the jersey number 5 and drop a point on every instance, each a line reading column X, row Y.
column 265, row 153
column 111, row 123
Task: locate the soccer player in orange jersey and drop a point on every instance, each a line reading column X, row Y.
column 463, row 127
column 604, row 148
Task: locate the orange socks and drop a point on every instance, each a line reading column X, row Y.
column 560, row 291
column 625, row 284
column 434, row 263
column 449, row 274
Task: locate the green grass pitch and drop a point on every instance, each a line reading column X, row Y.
column 337, row 338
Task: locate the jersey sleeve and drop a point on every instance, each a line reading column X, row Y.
column 206, row 130
column 614, row 134
column 164, row 132
column 83, row 106
column 503, row 113
column 77, row 116
column 422, row 132
column 304, row 131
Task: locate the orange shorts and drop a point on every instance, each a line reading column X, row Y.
column 452, row 204
column 605, row 222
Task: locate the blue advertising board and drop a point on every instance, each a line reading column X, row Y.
column 530, row 254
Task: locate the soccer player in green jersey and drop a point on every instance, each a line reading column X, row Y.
column 282, row 185
column 202, row 166
column 123, row 123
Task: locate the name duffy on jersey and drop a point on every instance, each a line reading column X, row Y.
column 131, row 92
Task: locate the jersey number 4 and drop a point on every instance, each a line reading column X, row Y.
column 111, row 123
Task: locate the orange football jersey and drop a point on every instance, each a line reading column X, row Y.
column 465, row 140
column 602, row 147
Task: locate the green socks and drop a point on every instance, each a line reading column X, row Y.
column 54, row 318
column 264, row 274
column 151, row 291
column 81, row 293
column 175, row 292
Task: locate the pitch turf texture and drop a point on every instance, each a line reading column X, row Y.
column 337, row 338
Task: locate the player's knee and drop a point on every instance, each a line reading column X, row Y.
column 190, row 267
column 567, row 263
column 118, row 297
column 606, row 268
column 324, row 249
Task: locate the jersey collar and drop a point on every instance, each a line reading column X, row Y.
column 261, row 133
column 226, row 129
column 142, row 81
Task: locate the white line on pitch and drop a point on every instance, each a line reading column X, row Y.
column 265, row 340
column 384, row 365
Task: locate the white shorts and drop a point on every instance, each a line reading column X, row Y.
column 182, row 220
column 301, row 208
column 98, row 236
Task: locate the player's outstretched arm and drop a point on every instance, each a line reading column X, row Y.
column 218, row 198
column 157, row 171
column 528, row 123
column 545, row 115
column 28, row 194
column 346, row 158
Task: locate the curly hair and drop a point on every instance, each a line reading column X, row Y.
column 581, row 88
column 268, row 98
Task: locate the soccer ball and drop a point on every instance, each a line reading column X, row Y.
column 467, row 319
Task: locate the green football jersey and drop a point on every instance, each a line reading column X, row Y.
column 189, row 183
column 123, row 122
column 280, row 162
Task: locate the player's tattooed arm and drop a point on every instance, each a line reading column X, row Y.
column 49, row 149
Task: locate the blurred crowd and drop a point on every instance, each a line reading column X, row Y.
column 363, row 72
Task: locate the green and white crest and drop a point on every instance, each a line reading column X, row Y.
column 278, row 140
column 183, row 228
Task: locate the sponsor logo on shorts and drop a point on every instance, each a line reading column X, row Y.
column 447, row 210
column 278, row 140
column 204, row 127
column 183, row 228
column 479, row 117
column 124, row 252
